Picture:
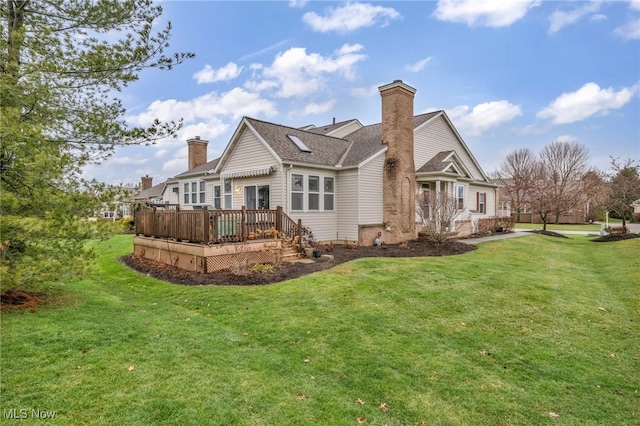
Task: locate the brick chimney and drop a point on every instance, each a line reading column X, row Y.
column 197, row 152
column 399, row 175
column 146, row 182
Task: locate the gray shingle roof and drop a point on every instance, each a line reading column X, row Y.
column 350, row 150
column 368, row 139
column 200, row 169
column 437, row 163
column 325, row 150
column 149, row 193
column 323, row 130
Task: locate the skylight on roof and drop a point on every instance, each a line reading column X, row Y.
column 301, row 146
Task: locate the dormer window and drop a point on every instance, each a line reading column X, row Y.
column 301, row 146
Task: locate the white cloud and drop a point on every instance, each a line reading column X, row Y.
column 297, row 3
column 418, row 66
column 298, row 74
column 634, row 4
column 210, row 75
column 366, row 92
column 350, row 17
column 589, row 100
column 234, row 103
column 483, row 116
column 629, row 31
column 127, row 161
column 561, row 18
column 567, row 138
column 314, row 108
column 488, row 13
column 160, row 153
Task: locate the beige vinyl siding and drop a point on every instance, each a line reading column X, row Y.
column 436, row 137
column 370, row 192
column 347, row 204
column 169, row 196
column 323, row 224
column 248, row 153
column 345, row 130
column 490, row 200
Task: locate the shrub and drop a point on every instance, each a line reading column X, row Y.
column 487, row 225
column 635, row 218
column 507, row 223
column 127, row 224
column 617, row 230
column 263, row 267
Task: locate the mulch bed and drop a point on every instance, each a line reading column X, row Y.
column 612, row 238
column 341, row 254
column 549, row 233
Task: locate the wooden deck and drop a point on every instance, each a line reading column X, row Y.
column 216, row 226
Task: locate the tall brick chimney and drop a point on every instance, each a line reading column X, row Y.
column 399, row 175
column 146, row 182
column 197, row 152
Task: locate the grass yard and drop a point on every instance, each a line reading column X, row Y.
column 525, row 331
column 561, row 227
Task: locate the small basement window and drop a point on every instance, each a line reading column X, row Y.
column 301, row 146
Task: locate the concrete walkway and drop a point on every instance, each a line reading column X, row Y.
column 515, row 233
column 633, row 227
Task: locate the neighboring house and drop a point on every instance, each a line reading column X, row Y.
column 636, row 207
column 345, row 181
column 154, row 195
column 577, row 214
column 121, row 205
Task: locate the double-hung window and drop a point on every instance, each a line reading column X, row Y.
column 482, row 202
column 194, row 192
column 312, row 192
column 313, row 184
column 460, row 197
column 328, row 193
column 297, row 192
column 217, row 197
column 228, row 195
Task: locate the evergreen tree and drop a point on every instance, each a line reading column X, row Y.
column 62, row 65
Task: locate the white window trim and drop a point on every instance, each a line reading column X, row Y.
column 200, row 192
column 305, row 192
column 226, row 194
column 458, row 199
column 220, row 197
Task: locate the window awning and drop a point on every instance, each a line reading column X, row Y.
column 261, row 171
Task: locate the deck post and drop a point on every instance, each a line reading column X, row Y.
column 205, row 225
column 243, row 224
column 279, row 219
column 154, row 227
column 300, row 231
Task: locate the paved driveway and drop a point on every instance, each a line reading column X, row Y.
column 634, row 227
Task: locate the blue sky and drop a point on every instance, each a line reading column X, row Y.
column 510, row 74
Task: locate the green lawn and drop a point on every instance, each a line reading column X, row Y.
column 526, row 331
column 568, row 227
column 561, row 227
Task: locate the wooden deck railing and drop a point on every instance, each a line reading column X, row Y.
column 216, row 226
